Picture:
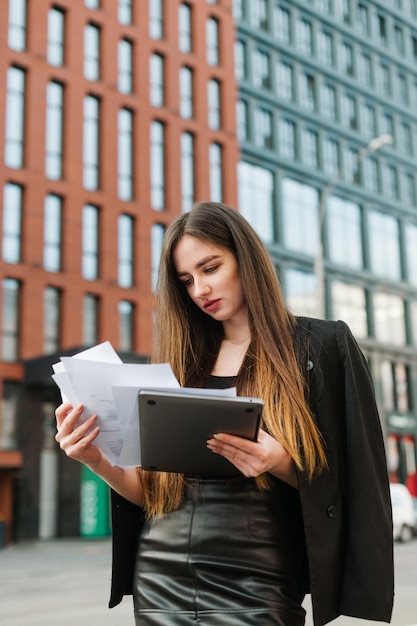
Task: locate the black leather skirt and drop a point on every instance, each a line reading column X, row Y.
column 222, row 559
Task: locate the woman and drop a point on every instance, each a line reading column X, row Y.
column 311, row 512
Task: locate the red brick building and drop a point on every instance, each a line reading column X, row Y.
column 114, row 118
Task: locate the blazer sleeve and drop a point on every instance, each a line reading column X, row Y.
column 368, row 567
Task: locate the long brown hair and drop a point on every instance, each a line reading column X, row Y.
column 189, row 340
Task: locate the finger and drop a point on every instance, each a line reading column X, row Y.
column 70, row 432
column 61, row 412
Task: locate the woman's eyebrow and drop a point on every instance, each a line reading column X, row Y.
column 201, row 263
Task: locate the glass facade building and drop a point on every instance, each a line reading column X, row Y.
column 327, row 122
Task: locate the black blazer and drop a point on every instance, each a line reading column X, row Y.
column 346, row 511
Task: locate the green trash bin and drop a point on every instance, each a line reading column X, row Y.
column 95, row 505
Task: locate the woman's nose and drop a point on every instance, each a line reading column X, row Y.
column 201, row 288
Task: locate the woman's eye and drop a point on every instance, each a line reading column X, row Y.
column 187, row 282
column 210, row 269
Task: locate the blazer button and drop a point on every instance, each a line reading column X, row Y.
column 332, row 512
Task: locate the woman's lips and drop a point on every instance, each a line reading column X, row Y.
column 211, row 305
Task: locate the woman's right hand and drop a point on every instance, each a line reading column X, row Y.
column 77, row 440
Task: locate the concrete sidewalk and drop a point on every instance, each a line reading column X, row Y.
column 66, row 582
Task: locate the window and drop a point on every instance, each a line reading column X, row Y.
column 240, row 60
column 125, row 66
column 328, row 102
column 409, row 189
column 381, row 29
column 368, row 121
column 286, row 138
column 402, row 91
column 304, row 37
column 184, row 28
column 301, row 292
column 300, row 204
column 186, row 92
column 410, row 240
column 124, row 11
column 91, row 52
column 54, row 130
column 342, row 10
column 371, row 175
column 156, row 19
column 399, row 40
column 395, row 379
column 348, row 111
column 125, row 154
column 56, row 34
column 10, row 320
column 12, row 223
column 346, row 59
column 365, row 69
column 126, row 325
column 362, row 19
column 259, row 14
column 15, row 117
column 215, row 173
column 263, row 128
column 261, row 72
column 212, row 35
column 331, row 163
column 405, row 138
column 255, row 198
column 238, row 9
column 284, row 80
column 384, row 79
column 390, row 179
column 389, row 319
column 344, row 232
column 51, row 319
column 92, row 4
column 91, row 305
column 187, row 171
column 17, row 25
column 349, row 305
column 90, row 239
column 387, row 124
column 242, row 122
column 91, row 145
column 307, row 95
column 384, row 245
column 325, row 47
column 157, row 237
column 213, row 98
column 52, row 231
column 351, row 169
column 281, row 24
column 125, row 251
column 156, row 77
column 157, row 156
column 8, row 411
column 309, row 144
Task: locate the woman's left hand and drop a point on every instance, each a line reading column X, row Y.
column 253, row 458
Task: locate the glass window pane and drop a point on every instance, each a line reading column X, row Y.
column 157, row 166
column 301, row 292
column 91, row 143
column 125, row 12
column 90, row 238
column 52, row 225
column 56, row 33
column 15, row 115
column 156, row 77
column 54, row 131
column 300, row 204
column 126, row 325
column 17, row 25
column 156, row 24
column 10, row 320
column 184, row 28
column 186, row 92
column 125, row 251
column 90, row 319
column 215, row 173
column 125, row 154
column 12, row 223
column 384, row 245
column 157, row 237
column 256, row 198
column 410, row 236
column 125, row 69
column 212, row 36
column 389, row 319
column 187, row 171
column 91, row 52
column 51, row 319
column 344, row 232
column 349, row 305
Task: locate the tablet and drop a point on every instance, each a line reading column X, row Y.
column 174, row 429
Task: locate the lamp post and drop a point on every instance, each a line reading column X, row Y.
column 375, row 144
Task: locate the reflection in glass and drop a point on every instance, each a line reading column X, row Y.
column 156, row 24
column 12, row 223
column 15, row 116
column 186, row 92
column 125, row 155
column 212, row 38
column 125, row 66
column 17, row 25
column 301, row 292
column 213, row 98
column 124, row 12
column 156, row 78
column 56, row 33
column 215, row 172
column 157, row 166
column 389, row 318
column 300, row 204
column 256, row 198
column 125, row 251
column 344, row 232
column 384, row 245
column 90, row 239
column 52, row 225
column 184, row 27
column 91, row 52
column 54, row 130
column 91, row 143
column 187, row 171
column 349, row 305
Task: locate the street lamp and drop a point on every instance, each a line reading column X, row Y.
column 375, row 144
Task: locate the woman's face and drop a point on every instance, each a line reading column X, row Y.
column 211, row 277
